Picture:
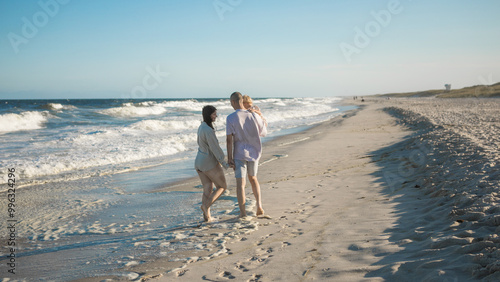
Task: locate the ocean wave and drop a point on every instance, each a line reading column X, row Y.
column 158, row 125
column 57, row 107
column 105, row 149
column 298, row 112
column 195, row 105
column 184, row 105
column 23, row 121
column 153, row 108
column 131, row 110
column 151, row 130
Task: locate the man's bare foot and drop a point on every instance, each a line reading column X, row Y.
column 206, row 213
column 242, row 215
column 260, row 211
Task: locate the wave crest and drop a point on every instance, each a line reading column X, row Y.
column 57, row 107
column 23, row 121
column 130, row 110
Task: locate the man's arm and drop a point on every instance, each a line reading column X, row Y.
column 229, row 141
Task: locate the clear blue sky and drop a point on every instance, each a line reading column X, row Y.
column 210, row 48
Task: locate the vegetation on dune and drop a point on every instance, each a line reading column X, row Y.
column 476, row 91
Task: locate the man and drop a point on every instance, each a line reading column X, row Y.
column 244, row 148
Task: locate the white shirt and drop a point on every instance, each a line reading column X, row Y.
column 209, row 151
column 246, row 128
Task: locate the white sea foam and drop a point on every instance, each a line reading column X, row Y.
column 130, row 110
column 185, row 105
column 282, row 114
column 158, row 125
column 58, row 107
column 55, row 106
column 23, row 121
column 101, row 148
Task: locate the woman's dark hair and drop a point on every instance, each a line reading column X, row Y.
column 207, row 112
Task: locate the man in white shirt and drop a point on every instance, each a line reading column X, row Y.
column 244, row 148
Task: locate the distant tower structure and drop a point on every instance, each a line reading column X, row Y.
column 448, row 87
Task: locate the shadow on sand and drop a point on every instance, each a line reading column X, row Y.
column 445, row 195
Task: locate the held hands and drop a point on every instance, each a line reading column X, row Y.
column 231, row 163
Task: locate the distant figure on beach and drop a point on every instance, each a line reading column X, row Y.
column 208, row 161
column 248, row 105
column 244, row 149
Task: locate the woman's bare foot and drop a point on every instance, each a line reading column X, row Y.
column 206, row 213
column 260, row 211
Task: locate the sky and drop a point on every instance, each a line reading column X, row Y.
column 210, row 48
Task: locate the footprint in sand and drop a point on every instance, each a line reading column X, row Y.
column 264, row 251
column 263, row 238
column 267, row 236
column 261, row 255
column 298, row 211
column 255, row 278
column 257, row 259
column 227, row 274
column 241, row 268
column 297, row 232
column 182, row 272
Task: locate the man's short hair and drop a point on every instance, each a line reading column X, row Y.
column 236, row 96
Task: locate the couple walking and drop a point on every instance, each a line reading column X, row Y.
column 244, row 128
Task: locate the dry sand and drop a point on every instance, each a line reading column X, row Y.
column 401, row 190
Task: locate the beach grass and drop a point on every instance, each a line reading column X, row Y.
column 476, row 91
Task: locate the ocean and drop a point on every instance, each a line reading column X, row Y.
column 86, row 172
column 54, row 140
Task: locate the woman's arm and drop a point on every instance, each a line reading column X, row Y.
column 213, row 144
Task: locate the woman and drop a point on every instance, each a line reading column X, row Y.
column 209, row 160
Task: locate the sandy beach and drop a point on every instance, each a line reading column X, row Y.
column 399, row 190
